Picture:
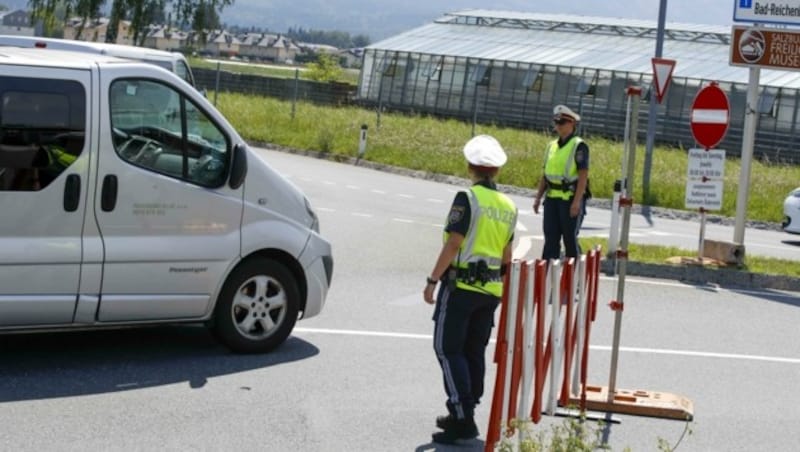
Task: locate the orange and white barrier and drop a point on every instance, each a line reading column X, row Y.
column 557, row 299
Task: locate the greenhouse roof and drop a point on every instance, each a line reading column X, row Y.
column 701, row 51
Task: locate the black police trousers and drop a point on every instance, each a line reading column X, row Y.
column 558, row 224
column 463, row 322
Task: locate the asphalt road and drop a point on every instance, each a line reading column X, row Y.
column 362, row 375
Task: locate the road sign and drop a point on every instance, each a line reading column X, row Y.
column 710, row 115
column 704, row 179
column 787, row 12
column 767, row 48
column 662, row 74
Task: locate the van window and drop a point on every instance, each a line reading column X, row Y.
column 42, row 130
column 183, row 71
column 157, row 128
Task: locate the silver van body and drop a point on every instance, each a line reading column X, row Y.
column 128, row 199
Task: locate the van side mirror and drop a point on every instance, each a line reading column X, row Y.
column 239, row 167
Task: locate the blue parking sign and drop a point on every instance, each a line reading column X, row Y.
column 747, row 4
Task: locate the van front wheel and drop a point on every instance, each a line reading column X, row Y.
column 257, row 307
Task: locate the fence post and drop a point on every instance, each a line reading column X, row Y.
column 216, row 84
column 294, row 94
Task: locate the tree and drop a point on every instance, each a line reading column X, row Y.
column 199, row 15
column 325, row 69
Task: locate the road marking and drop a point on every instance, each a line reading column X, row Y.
column 402, row 220
column 363, row 215
column 379, row 192
column 402, row 195
column 775, row 359
column 325, row 209
column 327, row 182
column 434, row 200
column 353, row 187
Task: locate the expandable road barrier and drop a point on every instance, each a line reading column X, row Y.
column 566, row 294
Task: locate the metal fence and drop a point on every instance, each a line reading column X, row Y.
column 523, row 96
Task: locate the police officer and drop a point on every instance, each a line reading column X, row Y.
column 564, row 186
column 478, row 237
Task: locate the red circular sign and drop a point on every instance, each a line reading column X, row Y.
column 710, row 116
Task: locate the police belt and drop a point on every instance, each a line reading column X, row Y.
column 566, row 186
column 463, row 275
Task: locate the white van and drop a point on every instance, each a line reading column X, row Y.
column 126, row 198
column 171, row 61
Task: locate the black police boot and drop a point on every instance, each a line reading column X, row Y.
column 444, row 422
column 455, row 429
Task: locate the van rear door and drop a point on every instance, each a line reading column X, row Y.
column 44, row 168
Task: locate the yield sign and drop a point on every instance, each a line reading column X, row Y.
column 710, row 115
column 662, row 74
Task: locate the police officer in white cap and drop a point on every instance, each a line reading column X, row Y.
column 478, row 236
column 564, row 186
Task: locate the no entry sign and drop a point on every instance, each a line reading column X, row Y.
column 710, row 116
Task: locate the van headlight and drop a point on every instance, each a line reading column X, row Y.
column 314, row 219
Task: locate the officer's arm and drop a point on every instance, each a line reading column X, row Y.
column 507, row 254
column 580, row 189
column 447, row 255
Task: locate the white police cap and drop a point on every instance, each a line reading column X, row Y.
column 484, row 150
column 563, row 110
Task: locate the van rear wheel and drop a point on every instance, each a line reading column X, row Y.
column 257, row 307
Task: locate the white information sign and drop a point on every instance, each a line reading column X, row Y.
column 704, row 179
column 786, row 12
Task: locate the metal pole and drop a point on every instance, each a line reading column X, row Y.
column 653, row 112
column 294, row 95
column 474, row 108
column 748, row 140
column 702, row 235
column 634, row 94
column 216, row 84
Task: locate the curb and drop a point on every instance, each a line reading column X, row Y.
column 725, row 278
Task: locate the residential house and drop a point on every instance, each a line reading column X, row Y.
column 95, row 30
column 351, row 58
column 17, row 23
column 268, row 47
column 222, row 43
column 162, row 37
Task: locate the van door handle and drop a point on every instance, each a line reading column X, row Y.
column 72, row 193
column 108, row 197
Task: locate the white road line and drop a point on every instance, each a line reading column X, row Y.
column 363, row 215
column 402, row 195
column 521, row 227
column 402, row 220
column 327, row 182
column 353, row 187
column 434, row 200
column 325, row 209
column 378, row 192
column 776, row 359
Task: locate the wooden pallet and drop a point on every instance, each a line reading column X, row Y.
column 638, row 402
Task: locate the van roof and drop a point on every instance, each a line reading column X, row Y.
column 124, row 51
column 57, row 58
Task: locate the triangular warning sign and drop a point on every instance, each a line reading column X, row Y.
column 662, row 74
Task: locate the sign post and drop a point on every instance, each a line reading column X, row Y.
column 709, row 122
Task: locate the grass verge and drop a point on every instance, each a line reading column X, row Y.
column 656, row 254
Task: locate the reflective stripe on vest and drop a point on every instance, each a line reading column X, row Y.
column 560, row 167
column 493, row 218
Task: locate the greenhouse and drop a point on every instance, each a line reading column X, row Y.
column 510, row 68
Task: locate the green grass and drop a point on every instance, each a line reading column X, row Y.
column 268, row 70
column 431, row 144
column 655, row 254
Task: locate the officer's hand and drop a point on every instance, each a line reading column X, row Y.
column 536, row 203
column 574, row 209
column 427, row 294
